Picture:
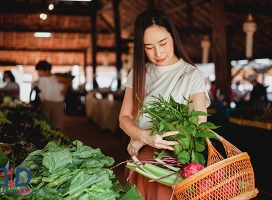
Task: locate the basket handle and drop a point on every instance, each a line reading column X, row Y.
column 230, row 149
column 214, row 156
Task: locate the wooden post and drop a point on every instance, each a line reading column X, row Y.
column 219, row 49
column 94, row 38
column 118, row 41
column 85, row 66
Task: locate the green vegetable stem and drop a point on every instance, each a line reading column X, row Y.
column 162, row 175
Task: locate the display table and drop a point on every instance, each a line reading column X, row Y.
column 104, row 112
column 247, row 122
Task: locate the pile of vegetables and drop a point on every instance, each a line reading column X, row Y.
column 12, row 103
column 25, row 130
column 59, row 168
column 168, row 115
column 74, row 171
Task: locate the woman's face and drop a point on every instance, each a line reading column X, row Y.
column 6, row 77
column 44, row 73
column 159, row 46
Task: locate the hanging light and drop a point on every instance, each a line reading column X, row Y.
column 42, row 34
column 249, row 28
column 43, row 16
column 51, row 6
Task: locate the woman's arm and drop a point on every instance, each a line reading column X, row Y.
column 140, row 136
column 199, row 104
column 127, row 123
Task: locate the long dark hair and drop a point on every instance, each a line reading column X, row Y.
column 10, row 75
column 145, row 20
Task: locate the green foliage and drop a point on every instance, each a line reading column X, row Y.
column 25, row 130
column 59, row 172
column 170, row 115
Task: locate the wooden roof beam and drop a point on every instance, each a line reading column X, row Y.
column 108, row 26
column 254, row 9
column 99, row 49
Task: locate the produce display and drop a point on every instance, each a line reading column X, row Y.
column 52, row 166
column 12, row 103
column 70, row 172
column 25, row 130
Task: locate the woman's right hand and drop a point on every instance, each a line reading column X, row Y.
column 157, row 141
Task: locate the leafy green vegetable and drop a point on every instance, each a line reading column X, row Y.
column 74, row 171
column 45, row 194
column 169, row 115
column 131, row 192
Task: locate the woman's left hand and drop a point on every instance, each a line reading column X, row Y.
column 134, row 146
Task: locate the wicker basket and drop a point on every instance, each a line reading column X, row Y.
column 222, row 179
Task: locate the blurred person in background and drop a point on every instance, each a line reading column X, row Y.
column 258, row 95
column 11, row 88
column 238, row 96
column 52, row 94
column 213, row 93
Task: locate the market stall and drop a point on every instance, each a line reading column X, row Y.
column 104, row 111
column 38, row 161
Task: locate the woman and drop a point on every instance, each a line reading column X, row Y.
column 11, row 88
column 159, row 60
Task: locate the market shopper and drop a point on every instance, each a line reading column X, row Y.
column 258, row 95
column 11, row 88
column 159, row 61
column 213, row 93
column 238, row 96
column 52, row 94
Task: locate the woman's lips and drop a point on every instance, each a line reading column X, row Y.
column 160, row 60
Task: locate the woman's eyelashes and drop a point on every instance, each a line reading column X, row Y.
column 149, row 48
column 163, row 44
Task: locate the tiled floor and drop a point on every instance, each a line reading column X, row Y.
column 250, row 140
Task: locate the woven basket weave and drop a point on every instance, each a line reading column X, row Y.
column 222, row 179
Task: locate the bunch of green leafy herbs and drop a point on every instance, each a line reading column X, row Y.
column 74, row 172
column 169, row 115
